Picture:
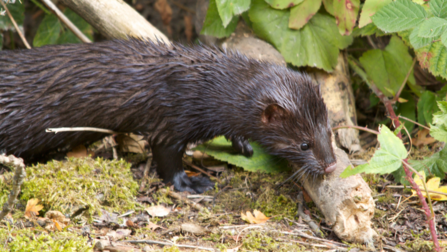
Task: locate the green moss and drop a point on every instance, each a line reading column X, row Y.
column 25, row 240
column 77, row 182
column 265, row 242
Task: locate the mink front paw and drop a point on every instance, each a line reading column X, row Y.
column 242, row 146
column 194, row 185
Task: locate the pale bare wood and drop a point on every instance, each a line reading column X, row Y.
column 115, row 19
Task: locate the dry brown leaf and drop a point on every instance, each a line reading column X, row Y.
column 57, row 225
column 32, row 208
column 58, row 216
column 236, row 249
column 422, row 138
column 154, row 226
column 158, row 211
column 188, row 28
column 78, row 152
column 131, row 143
column 258, row 218
column 192, row 174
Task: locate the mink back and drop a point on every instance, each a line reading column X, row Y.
column 176, row 95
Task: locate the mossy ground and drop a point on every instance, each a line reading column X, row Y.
column 110, row 187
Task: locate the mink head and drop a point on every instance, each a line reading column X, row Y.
column 296, row 125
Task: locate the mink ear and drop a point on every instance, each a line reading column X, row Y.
column 273, row 113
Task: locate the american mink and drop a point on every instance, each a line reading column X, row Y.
column 177, row 94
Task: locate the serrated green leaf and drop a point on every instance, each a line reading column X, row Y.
column 48, row 31
column 407, row 109
column 317, row 44
column 439, row 132
column 426, row 107
column 388, row 68
column 229, row 8
column 370, row 8
column 418, row 42
column 399, row 16
column 432, row 27
column 438, row 8
column 390, row 155
column 17, row 11
column 349, row 171
column 261, row 161
column 345, row 13
column 302, row 13
column 440, row 117
column 213, row 25
column 436, row 164
column 368, row 30
column 283, row 4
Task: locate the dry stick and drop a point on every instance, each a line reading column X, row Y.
column 15, row 25
column 356, row 127
column 19, row 176
column 408, row 173
column 66, row 21
column 93, row 129
column 201, row 170
column 430, row 191
column 170, row 244
column 174, row 195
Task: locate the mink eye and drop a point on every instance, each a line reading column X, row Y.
column 304, row 146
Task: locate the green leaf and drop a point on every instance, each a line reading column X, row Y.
column 387, row 158
column 283, row 4
column 213, row 25
column 261, row 161
column 432, row 27
column 48, row 31
column 426, row 107
column 368, row 30
column 399, row 16
column 229, row 8
column 370, row 8
column 345, row 13
column 407, row 109
column 439, row 8
column 418, row 42
column 17, row 11
column 349, row 171
column 317, row 44
column 441, row 116
column 436, row 164
column 390, row 155
column 388, row 68
column 439, row 132
column 302, row 13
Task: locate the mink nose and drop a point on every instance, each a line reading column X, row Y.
column 330, row 168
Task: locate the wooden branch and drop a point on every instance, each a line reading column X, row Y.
column 115, row 19
column 15, row 25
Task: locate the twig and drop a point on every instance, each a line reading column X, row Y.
column 19, row 176
column 418, row 124
column 147, row 167
column 174, row 195
column 405, row 80
column 313, row 226
column 66, row 21
column 201, row 170
column 169, row 244
column 67, row 129
column 15, row 24
column 356, row 127
column 403, row 187
column 371, row 42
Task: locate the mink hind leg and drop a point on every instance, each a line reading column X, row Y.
column 170, row 169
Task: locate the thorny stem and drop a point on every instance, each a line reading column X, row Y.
column 408, row 174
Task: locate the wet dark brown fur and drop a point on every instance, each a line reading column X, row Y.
column 178, row 95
